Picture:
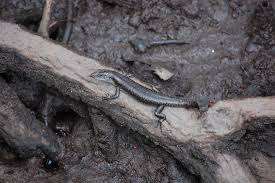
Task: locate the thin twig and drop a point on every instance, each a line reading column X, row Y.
column 69, row 24
column 44, row 23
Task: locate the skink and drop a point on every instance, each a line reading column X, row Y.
column 142, row 93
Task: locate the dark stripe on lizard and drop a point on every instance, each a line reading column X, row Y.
column 142, row 93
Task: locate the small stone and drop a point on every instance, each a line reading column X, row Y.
column 163, row 73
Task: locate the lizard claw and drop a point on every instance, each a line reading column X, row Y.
column 107, row 97
column 159, row 124
column 160, row 121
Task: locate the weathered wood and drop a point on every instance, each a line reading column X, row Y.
column 22, row 131
column 189, row 136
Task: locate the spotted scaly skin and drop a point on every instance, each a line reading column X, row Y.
column 147, row 95
column 142, row 93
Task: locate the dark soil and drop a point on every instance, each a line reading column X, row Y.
column 230, row 55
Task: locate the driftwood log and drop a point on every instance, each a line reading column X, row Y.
column 194, row 139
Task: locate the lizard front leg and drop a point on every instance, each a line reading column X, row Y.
column 111, row 97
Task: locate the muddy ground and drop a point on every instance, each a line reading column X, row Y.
column 230, row 54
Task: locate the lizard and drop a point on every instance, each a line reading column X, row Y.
column 141, row 93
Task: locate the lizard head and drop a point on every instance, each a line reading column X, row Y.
column 103, row 75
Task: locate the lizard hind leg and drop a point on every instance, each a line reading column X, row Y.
column 161, row 117
column 114, row 96
column 158, row 113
